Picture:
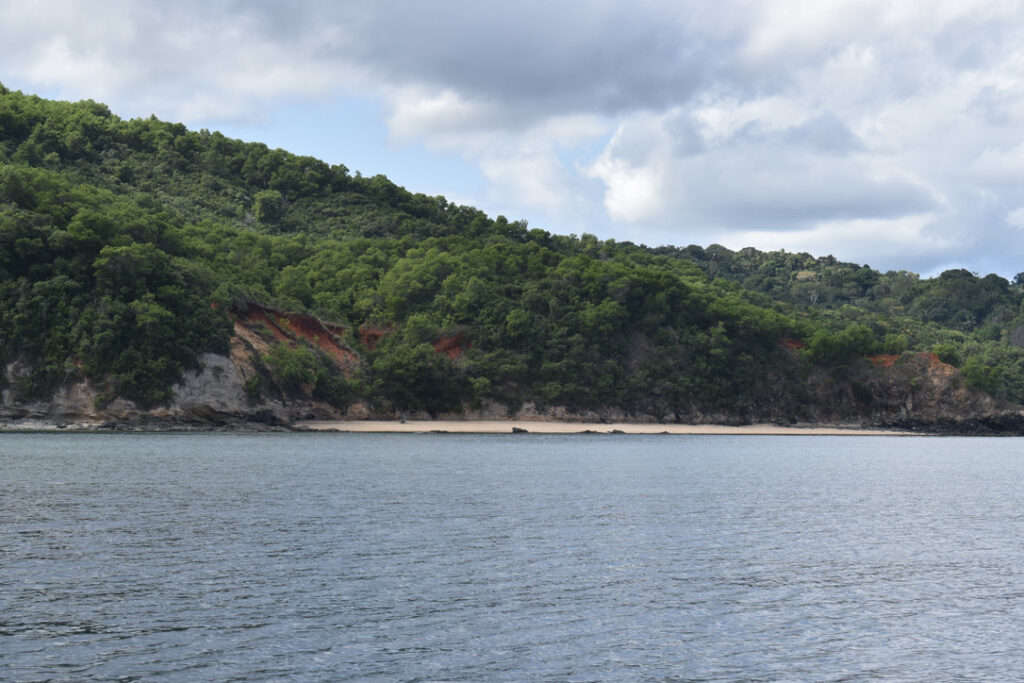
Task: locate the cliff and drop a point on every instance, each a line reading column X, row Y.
column 913, row 391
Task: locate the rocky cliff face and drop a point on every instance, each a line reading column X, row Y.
column 912, row 391
column 211, row 395
column 918, row 391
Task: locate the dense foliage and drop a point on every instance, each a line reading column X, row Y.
column 117, row 236
column 975, row 323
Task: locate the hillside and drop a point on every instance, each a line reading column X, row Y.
column 152, row 272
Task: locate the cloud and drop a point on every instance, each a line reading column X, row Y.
column 599, row 56
column 185, row 60
column 797, row 121
column 755, row 177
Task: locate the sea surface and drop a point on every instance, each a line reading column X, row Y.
column 432, row 557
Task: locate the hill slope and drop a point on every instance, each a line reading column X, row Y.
column 147, row 270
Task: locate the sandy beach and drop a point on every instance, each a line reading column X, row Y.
column 554, row 427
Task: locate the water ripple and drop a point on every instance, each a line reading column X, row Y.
column 442, row 557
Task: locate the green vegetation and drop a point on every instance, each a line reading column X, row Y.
column 125, row 246
column 974, row 323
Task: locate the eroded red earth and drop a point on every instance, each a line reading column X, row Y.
column 290, row 327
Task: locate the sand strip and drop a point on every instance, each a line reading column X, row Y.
column 553, row 427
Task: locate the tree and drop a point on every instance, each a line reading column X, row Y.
column 291, row 367
column 269, row 207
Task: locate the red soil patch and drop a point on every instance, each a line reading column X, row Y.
column 256, row 314
column 886, row 360
column 316, row 333
column 288, row 327
column 793, row 344
column 453, row 345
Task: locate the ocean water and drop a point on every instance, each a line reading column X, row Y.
column 326, row 557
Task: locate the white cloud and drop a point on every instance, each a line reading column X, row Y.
column 187, row 61
column 1016, row 218
column 518, row 154
column 783, row 178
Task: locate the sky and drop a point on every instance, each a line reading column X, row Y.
column 886, row 133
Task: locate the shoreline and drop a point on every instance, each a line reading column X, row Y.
column 559, row 427
column 531, row 425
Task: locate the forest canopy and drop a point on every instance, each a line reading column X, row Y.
column 127, row 245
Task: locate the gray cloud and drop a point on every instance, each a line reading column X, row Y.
column 596, row 56
column 824, row 133
column 546, row 58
